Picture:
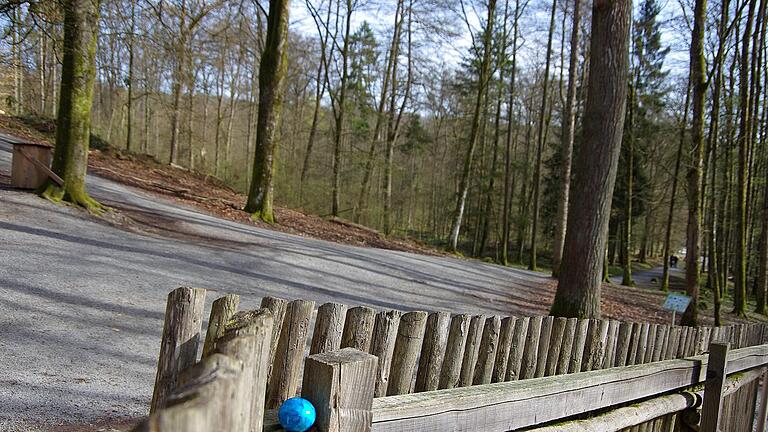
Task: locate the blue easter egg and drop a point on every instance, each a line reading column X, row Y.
column 296, row 414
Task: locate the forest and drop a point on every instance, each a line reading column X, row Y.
column 461, row 124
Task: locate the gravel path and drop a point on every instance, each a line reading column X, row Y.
column 82, row 301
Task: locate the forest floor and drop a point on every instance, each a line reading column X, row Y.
column 82, row 297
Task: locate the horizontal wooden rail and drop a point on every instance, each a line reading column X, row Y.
column 519, row 404
column 621, row 418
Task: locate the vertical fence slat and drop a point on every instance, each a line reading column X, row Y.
column 651, row 343
column 611, row 343
column 713, row 388
column 502, row 352
column 358, row 328
column 471, row 349
column 329, row 325
column 577, row 352
column 407, row 346
column 383, row 347
column 531, row 350
column 222, row 310
column 555, row 345
column 454, row 352
column 514, row 364
column 181, row 337
column 487, row 351
column 623, row 343
column 277, row 307
column 567, row 346
column 247, row 337
column 543, row 349
column 432, row 351
column 289, row 354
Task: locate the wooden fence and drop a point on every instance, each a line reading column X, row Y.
column 419, row 371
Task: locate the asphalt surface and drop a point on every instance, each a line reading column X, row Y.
column 651, row 278
column 82, row 300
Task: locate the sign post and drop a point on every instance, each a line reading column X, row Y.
column 676, row 302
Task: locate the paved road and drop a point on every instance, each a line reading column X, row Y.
column 82, row 301
column 651, row 278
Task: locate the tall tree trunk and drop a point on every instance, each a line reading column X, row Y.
column 272, row 71
column 566, row 143
column 508, row 151
column 740, row 264
column 540, row 142
column 389, row 72
column 129, row 105
column 483, row 79
column 693, row 232
column 340, row 122
column 319, row 91
column 70, row 158
column 626, row 240
column 762, row 273
column 579, row 284
column 393, row 125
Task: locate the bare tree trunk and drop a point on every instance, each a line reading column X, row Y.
column 390, row 71
column 540, row 142
column 579, row 284
column 693, row 232
column 131, row 42
column 740, row 265
column 483, row 79
column 566, row 143
column 272, row 71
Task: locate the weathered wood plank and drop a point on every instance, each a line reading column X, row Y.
column 543, row 349
column 247, row 337
column 277, row 307
column 567, row 346
column 713, row 389
column 358, row 328
column 555, row 345
column 454, row 352
column 222, row 310
column 383, row 347
column 487, row 351
column 579, row 341
column 611, row 344
column 329, row 325
column 471, row 349
column 289, row 355
column 513, row 405
column 432, row 351
column 180, row 340
column 642, row 412
column 340, row 385
column 531, row 351
column 623, row 343
column 502, row 352
column 407, row 347
column 519, row 335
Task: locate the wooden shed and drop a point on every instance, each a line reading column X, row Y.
column 31, row 164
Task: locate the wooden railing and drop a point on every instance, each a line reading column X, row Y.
column 466, row 371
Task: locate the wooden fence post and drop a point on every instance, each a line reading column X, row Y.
column 181, row 337
column 761, row 412
column 432, row 351
column 407, row 349
column 383, row 346
column 329, row 325
column 358, row 328
column 454, row 352
column 486, row 355
column 340, row 385
column 222, row 310
column 247, row 338
column 713, row 389
column 291, row 345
